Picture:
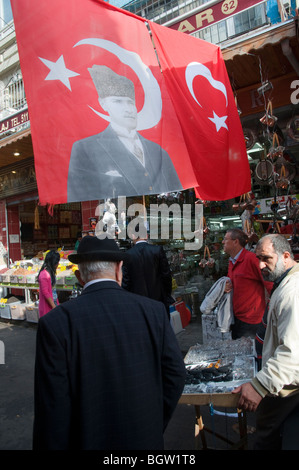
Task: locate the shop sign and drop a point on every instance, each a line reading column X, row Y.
column 14, row 239
column 13, row 122
column 17, row 178
column 285, row 92
column 218, row 11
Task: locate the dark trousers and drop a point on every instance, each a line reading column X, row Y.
column 240, row 328
column 277, row 423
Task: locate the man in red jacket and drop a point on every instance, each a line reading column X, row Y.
column 250, row 291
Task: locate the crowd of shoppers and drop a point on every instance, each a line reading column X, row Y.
column 111, row 353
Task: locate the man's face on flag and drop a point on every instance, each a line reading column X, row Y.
column 122, row 111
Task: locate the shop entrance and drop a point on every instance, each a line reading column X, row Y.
column 32, row 229
column 41, row 231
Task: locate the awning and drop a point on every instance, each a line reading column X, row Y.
column 270, row 54
column 16, row 147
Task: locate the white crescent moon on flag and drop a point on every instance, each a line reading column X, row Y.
column 150, row 114
column 193, row 70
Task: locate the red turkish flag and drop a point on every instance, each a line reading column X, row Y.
column 70, row 53
column 102, row 120
column 198, row 84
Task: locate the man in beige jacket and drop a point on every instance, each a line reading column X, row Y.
column 274, row 391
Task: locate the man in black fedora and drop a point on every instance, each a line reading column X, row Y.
column 109, row 371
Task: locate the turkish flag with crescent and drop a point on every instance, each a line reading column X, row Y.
column 197, row 81
column 103, row 118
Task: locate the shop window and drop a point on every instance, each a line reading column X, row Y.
column 41, row 231
column 249, row 19
column 236, row 25
column 214, row 34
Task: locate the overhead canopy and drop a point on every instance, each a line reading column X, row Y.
column 18, row 143
column 263, row 55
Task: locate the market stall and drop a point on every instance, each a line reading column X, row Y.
column 21, row 278
column 213, row 371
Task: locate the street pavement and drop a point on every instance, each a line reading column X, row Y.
column 16, row 386
column 16, row 396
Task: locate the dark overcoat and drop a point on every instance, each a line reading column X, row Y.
column 109, row 372
column 147, row 272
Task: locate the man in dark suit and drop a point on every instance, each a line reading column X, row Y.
column 118, row 161
column 109, row 371
column 147, row 272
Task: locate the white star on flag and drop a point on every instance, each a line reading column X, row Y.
column 219, row 121
column 58, row 71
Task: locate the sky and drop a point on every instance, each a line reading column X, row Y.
column 118, row 3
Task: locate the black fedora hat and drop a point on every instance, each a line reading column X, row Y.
column 96, row 249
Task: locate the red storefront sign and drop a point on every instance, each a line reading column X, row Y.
column 14, row 121
column 218, row 11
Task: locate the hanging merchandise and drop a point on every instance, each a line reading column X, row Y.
column 236, row 206
column 276, row 153
column 36, row 218
column 251, row 203
column 250, row 138
column 293, row 128
column 247, row 226
column 264, row 170
column 285, row 208
column 294, row 212
column 276, row 150
column 268, row 119
column 285, row 168
column 282, row 181
column 206, row 260
column 205, row 228
column 238, row 107
column 245, row 202
column 241, row 204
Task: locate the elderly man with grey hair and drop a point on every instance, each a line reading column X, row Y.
column 109, row 372
column 274, row 391
column 118, row 161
